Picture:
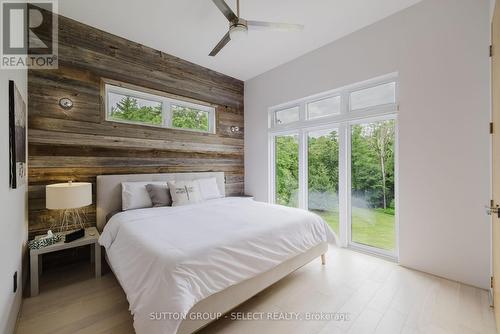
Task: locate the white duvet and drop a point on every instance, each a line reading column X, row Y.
column 168, row 259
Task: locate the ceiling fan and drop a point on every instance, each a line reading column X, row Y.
column 238, row 27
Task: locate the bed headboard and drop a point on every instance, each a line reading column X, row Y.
column 109, row 188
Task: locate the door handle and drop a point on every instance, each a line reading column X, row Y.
column 490, row 210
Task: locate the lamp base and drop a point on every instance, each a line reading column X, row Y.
column 70, row 219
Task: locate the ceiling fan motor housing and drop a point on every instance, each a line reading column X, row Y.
column 238, row 30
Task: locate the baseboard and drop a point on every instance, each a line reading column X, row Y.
column 14, row 312
column 18, row 301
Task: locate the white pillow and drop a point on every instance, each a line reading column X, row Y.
column 136, row 196
column 184, row 192
column 209, row 188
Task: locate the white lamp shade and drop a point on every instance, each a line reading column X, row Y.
column 71, row 195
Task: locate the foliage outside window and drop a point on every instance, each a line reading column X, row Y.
column 190, row 118
column 323, row 175
column 373, row 164
column 373, row 184
column 287, row 170
column 137, row 107
column 131, row 109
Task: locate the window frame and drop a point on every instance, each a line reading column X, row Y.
column 166, row 100
column 342, row 122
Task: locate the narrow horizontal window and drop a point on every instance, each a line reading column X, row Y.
column 373, row 96
column 324, row 107
column 149, row 108
column 286, row 116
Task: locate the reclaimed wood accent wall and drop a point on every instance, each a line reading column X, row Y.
column 79, row 144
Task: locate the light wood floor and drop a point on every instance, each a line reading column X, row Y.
column 378, row 296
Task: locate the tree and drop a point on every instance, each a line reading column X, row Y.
column 381, row 141
column 128, row 109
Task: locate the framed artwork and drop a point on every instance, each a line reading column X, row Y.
column 17, row 137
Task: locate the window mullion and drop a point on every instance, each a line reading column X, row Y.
column 212, row 120
column 302, row 112
column 344, row 103
column 344, row 184
column 167, row 114
column 272, row 169
column 303, row 170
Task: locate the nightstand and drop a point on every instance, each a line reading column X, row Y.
column 90, row 238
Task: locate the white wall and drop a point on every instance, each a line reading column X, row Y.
column 13, row 208
column 440, row 49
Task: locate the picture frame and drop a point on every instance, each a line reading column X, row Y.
column 17, row 137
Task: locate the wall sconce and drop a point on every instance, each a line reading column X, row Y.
column 66, row 103
column 235, row 129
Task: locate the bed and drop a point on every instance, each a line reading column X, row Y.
column 183, row 267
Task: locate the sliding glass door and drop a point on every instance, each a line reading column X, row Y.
column 286, row 160
column 323, row 175
column 372, row 179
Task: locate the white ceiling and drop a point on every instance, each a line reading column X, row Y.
column 189, row 29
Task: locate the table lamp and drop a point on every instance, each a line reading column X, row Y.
column 70, row 198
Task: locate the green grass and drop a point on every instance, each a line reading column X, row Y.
column 372, row 227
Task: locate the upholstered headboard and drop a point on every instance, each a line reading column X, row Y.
column 109, row 188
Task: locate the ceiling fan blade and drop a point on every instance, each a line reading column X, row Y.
column 226, row 10
column 274, row 26
column 220, row 45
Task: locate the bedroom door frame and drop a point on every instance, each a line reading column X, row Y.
column 495, row 162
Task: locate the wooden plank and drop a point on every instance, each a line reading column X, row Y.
column 88, row 162
column 87, row 151
column 115, row 129
column 61, row 138
column 54, row 175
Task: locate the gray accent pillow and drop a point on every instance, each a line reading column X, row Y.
column 159, row 194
